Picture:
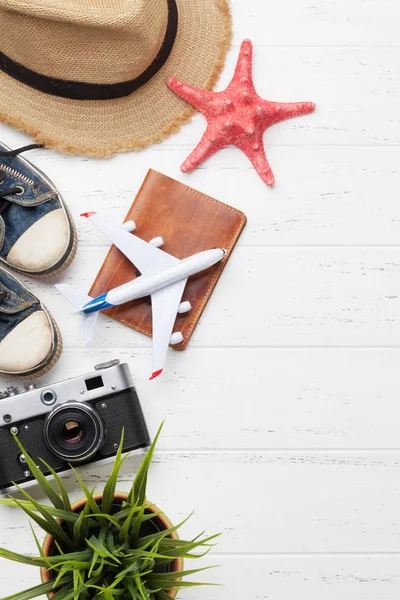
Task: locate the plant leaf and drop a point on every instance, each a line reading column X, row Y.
column 99, row 568
column 110, row 518
column 40, row 478
column 84, row 556
column 35, row 561
column 101, row 550
column 77, row 581
column 61, row 487
column 70, row 565
column 137, row 494
column 152, row 538
column 132, row 568
column 58, row 547
column 176, row 585
column 80, row 590
column 55, row 512
column 123, row 534
column 138, row 522
column 53, row 527
column 122, row 515
column 60, row 575
column 41, row 522
column 89, row 495
column 178, row 574
column 131, row 589
column 161, row 595
column 142, row 590
column 180, row 548
column 108, row 592
column 109, row 488
column 37, row 590
column 38, row 545
column 61, row 592
column 81, row 527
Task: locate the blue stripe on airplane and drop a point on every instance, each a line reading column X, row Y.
column 99, row 303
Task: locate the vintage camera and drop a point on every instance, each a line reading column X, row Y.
column 76, row 421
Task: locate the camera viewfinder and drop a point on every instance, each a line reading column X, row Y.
column 94, row 383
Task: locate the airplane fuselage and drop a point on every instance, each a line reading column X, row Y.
column 149, row 284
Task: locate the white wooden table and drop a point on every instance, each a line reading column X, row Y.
column 283, row 415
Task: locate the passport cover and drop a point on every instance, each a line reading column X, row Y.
column 189, row 222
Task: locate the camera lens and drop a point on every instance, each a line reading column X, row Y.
column 74, row 431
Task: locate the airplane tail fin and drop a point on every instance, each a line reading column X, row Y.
column 78, row 299
column 88, row 323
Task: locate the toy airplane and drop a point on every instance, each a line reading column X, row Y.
column 163, row 277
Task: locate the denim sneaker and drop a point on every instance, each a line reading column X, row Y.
column 30, row 341
column 37, row 234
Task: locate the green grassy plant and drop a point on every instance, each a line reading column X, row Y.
column 105, row 550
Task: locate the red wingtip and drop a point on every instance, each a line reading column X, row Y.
column 155, row 374
column 88, row 214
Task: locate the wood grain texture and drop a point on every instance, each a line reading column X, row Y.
column 326, row 195
column 311, row 502
column 296, row 297
column 331, row 398
column 282, row 577
column 306, row 22
column 282, row 416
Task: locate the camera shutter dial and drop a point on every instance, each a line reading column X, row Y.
column 106, row 365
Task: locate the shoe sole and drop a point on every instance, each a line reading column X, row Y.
column 54, row 356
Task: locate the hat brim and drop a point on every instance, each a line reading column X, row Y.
column 102, row 127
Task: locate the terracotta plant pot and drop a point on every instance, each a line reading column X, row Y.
column 162, row 521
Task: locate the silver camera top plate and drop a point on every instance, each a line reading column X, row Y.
column 33, row 402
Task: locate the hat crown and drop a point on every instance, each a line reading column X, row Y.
column 96, row 41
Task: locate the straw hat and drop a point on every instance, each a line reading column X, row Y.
column 89, row 76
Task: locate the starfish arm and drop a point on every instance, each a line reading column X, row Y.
column 243, row 75
column 207, row 146
column 191, row 94
column 286, row 110
column 257, row 157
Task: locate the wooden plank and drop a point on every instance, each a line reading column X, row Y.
column 278, row 578
column 325, row 196
column 263, row 502
column 270, row 297
column 261, row 398
column 328, row 22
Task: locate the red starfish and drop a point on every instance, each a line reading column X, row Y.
column 237, row 116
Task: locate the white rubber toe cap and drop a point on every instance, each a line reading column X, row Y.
column 43, row 244
column 27, row 345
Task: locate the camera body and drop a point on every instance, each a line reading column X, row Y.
column 76, row 421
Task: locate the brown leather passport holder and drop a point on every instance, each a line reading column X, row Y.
column 189, row 222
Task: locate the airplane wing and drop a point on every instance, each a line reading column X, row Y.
column 147, row 258
column 165, row 304
column 77, row 298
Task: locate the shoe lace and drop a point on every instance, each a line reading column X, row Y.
column 16, row 189
column 17, row 151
